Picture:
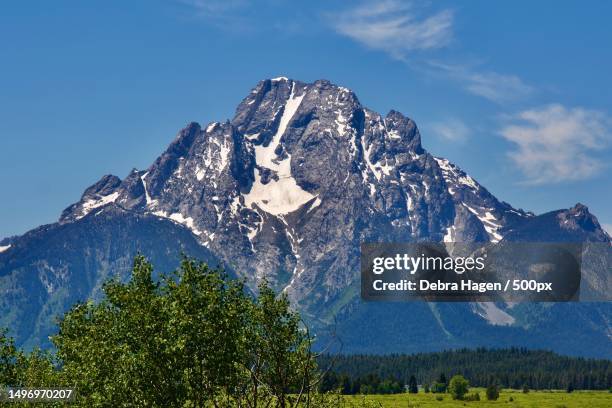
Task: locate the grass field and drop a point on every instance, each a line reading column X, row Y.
column 534, row 399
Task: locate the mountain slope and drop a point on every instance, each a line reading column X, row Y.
column 50, row 268
column 303, row 173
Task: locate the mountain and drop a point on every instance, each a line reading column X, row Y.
column 52, row 267
column 287, row 190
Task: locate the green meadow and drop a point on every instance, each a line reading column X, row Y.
column 507, row 398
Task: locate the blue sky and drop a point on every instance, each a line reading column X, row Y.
column 516, row 93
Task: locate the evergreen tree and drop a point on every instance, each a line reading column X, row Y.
column 492, row 392
column 505, row 367
column 412, row 385
column 442, row 379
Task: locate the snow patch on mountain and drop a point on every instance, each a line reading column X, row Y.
column 95, row 203
column 489, row 222
column 493, row 314
column 315, row 204
column 366, row 156
column 148, row 199
column 252, row 232
column 341, row 122
column 450, row 234
column 453, row 175
column 4, row 248
column 180, row 219
column 282, row 195
column 215, row 156
column 211, row 127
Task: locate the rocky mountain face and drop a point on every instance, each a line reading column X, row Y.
column 287, row 190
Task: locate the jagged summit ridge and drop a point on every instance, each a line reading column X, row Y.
column 296, row 158
column 301, row 176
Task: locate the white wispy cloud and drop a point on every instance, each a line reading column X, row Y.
column 452, row 130
column 400, row 28
column 496, row 87
column 212, row 8
column 555, row 143
column 227, row 15
column 394, row 27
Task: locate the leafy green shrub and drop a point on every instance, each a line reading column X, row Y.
column 472, row 397
column 458, row 387
column 188, row 340
column 438, row 387
column 492, row 392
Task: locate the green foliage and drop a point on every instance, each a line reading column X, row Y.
column 207, row 316
column 412, row 385
column 278, row 357
column 458, row 387
column 426, row 388
column 366, row 389
column 492, row 392
column 438, row 388
column 119, row 352
column 363, row 402
column 327, row 400
column 442, row 379
column 389, row 387
column 508, row 398
column 35, row 369
column 508, row 368
column 197, row 339
column 472, row 397
column 8, row 360
column 194, row 339
column 525, row 389
column 370, row 384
